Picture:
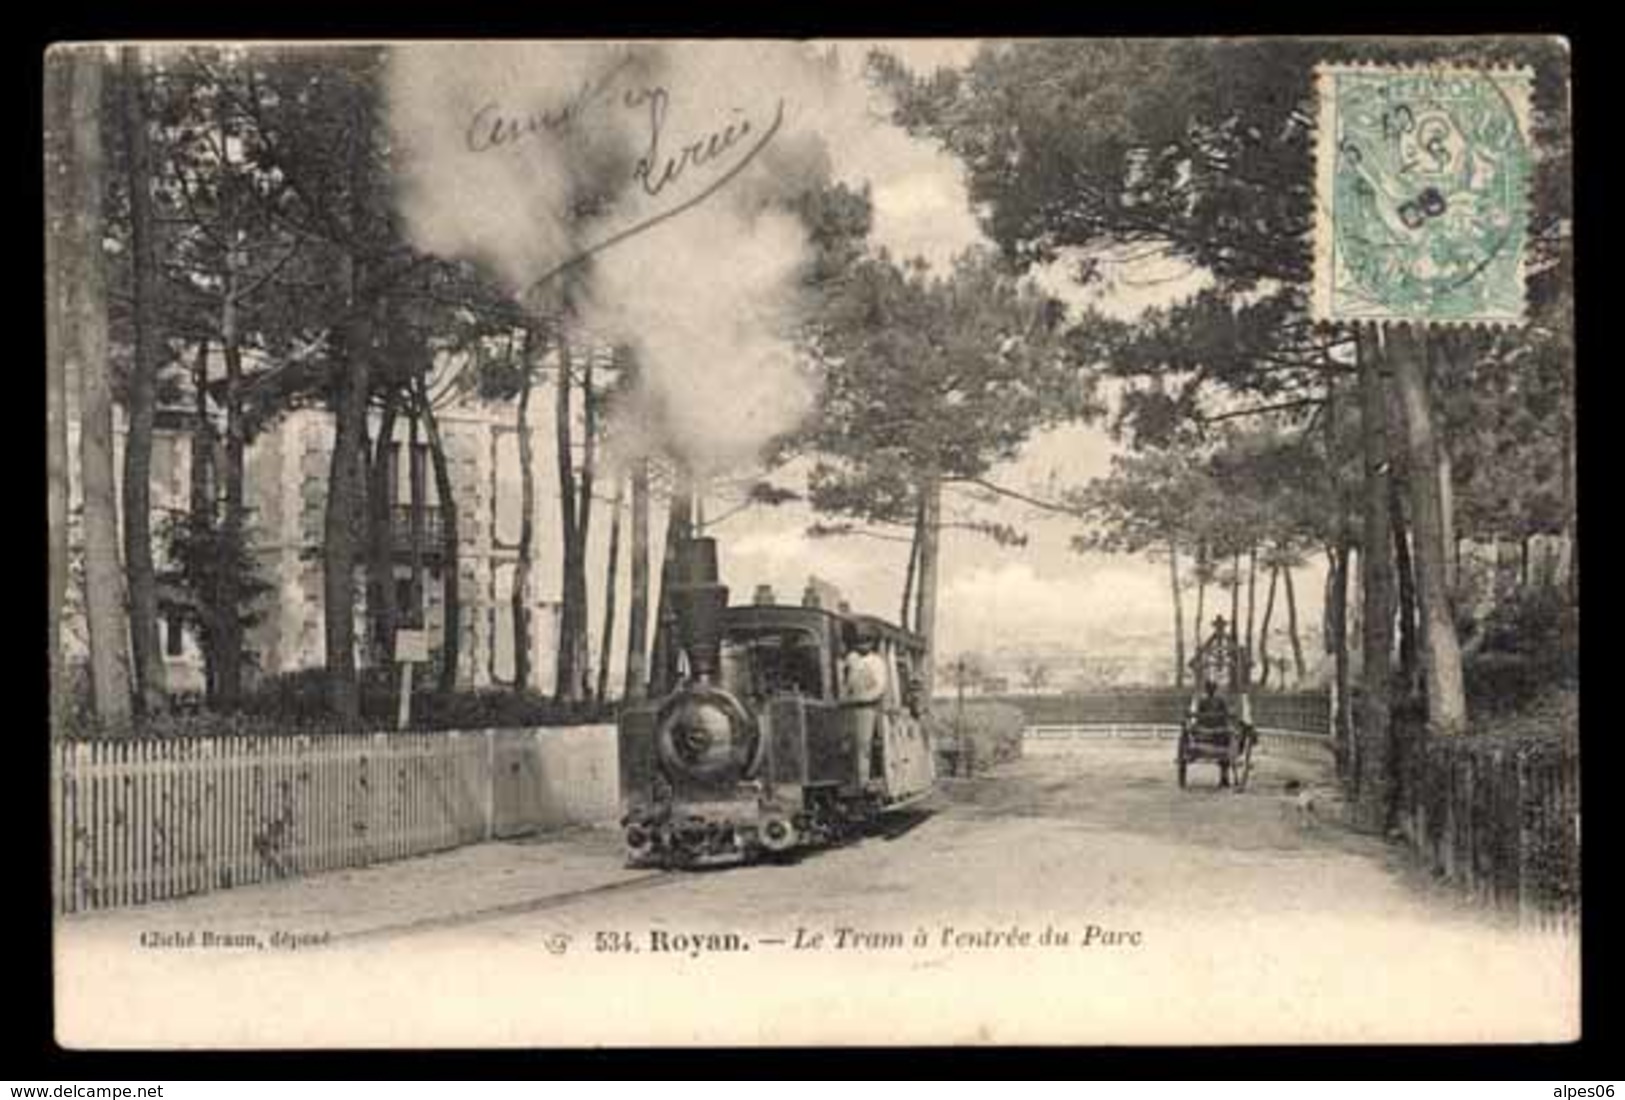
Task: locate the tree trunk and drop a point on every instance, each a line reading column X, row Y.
column 1237, row 665
column 200, row 445
column 904, row 614
column 451, row 603
column 1458, row 348
column 1571, row 532
column 925, row 618
column 1251, row 639
column 381, row 567
column 344, row 498
column 1374, row 785
column 567, row 674
column 1410, row 669
column 1447, row 523
column 1201, row 597
column 578, row 576
column 637, row 627
column 607, row 642
column 1179, row 613
column 1446, row 693
column 1264, row 627
column 522, row 597
column 417, row 504
column 1335, row 623
column 105, row 606
column 201, row 507
column 351, row 388
column 141, row 395
column 61, row 262
column 1337, row 644
column 1298, row 669
column 227, row 615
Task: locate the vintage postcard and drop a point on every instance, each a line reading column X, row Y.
column 737, row 543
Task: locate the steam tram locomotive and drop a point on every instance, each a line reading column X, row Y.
column 753, row 751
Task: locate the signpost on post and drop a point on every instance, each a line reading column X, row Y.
column 411, row 647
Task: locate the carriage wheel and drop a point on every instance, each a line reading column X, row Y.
column 1244, row 764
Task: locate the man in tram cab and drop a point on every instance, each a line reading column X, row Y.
column 863, row 687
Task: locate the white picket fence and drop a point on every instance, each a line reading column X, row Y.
column 1064, row 740
column 143, row 820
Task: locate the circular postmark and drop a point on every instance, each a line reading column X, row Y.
column 1430, row 194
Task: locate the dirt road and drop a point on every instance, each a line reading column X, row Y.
column 1079, row 899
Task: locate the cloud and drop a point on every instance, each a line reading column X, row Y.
column 926, row 213
column 773, row 549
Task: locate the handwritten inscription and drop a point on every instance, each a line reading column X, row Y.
column 491, row 127
column 654, row 172
column 722, row 149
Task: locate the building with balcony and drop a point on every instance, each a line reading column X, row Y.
column 286, row 472
column 287, row 491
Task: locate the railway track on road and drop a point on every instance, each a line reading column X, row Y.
column 539, row 904
column 893, row 829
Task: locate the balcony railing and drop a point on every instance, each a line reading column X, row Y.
column 400, row 529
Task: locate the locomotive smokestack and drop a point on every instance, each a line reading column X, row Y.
column 699, row 600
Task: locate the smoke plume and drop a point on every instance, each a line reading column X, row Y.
column 651, row 185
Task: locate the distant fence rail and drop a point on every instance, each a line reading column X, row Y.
column 1061, row 740
column 1295, row 711
column 143, row 820
column 1500, row 818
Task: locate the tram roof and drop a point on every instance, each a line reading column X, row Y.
column 786, row 614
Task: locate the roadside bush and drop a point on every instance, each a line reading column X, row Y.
column 1534, row 622
column 501, row 708
column 296, row 703
column 1552, row 713
column 1530, row 645
column 300, row 697
column 988, row 733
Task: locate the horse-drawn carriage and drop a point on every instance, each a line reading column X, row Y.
column 1218, row 727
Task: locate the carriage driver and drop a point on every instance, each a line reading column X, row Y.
column 1212, row 712
column 863, row 687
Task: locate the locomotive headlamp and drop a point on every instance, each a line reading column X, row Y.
column 700, row 727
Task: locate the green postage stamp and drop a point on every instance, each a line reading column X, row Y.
column 1421, row 194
